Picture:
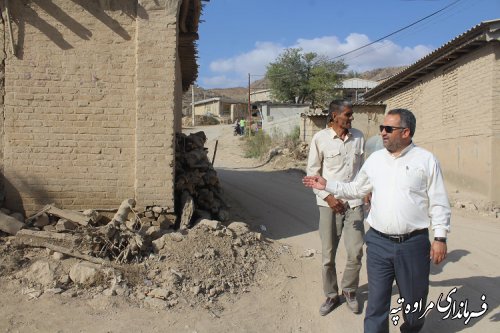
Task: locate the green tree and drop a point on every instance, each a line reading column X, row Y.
column 304, row 77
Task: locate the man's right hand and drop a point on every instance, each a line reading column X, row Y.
column 336, row 205
column 316, row 182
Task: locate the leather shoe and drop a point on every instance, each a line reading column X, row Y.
column 329, row 305
column 351, row 301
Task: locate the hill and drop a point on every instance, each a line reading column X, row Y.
column 379, row 74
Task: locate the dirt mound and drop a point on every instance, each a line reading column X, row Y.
column 194, row 268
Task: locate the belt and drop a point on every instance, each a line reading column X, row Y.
column 403, row 237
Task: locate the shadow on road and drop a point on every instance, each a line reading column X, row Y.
column 274, row 202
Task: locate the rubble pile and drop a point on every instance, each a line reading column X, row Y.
column 136, row 255
column 197, row 189
column 152, row 258
column 298, row 152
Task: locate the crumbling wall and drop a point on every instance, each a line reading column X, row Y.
column 90, row 103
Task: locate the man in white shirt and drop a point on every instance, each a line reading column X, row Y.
column 408, row 197
column 336, row 152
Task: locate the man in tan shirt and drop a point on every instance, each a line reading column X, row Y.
column 336, row 152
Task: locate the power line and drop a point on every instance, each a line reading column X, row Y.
column 397, row 31
column 379, row 39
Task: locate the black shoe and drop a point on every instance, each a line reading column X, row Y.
column 329, row 305
column 351, row 301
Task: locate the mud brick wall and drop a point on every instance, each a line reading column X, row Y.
column 458, row 120
column 90, row 102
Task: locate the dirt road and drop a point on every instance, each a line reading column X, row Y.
column 277, row 200
column 287, row 299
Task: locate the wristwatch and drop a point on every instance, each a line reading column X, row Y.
column 440, row 239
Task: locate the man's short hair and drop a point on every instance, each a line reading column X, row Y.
column 337, row 106
column 407, row 119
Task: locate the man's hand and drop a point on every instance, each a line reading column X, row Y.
column 367, row 201
column 335, row 204
column 438, row 252
column 316, row 182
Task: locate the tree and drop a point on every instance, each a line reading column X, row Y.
column 304, row 77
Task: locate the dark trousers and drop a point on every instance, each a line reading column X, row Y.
column 409, row 264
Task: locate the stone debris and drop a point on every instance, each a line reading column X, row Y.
column 151, row 266
column 18, row 216
column 84, row 273
column 308, row 253
column 10, row 224
column 239, row 228
column 154, row 257
column 65, row 225
column 53, row 291
column 42, row 271
column 197, row 186
column 211, row 224
column 32, row 293
column 41, row 221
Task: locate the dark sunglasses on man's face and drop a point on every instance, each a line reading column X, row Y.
column 389, row 129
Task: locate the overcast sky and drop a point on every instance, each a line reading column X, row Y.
column 238, row 37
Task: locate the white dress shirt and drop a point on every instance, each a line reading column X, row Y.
column 408, row 192
column 336, row 159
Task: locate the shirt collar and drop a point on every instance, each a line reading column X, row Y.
column 335, row 135
column 403, row 152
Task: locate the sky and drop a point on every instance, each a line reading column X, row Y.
column 238, row 37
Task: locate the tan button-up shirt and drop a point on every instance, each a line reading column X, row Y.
column 335, row 159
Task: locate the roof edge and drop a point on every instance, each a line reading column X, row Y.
column 482, row 33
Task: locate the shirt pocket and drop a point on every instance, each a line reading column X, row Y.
column 332, row 158
column 357, row 158
column 413, row 179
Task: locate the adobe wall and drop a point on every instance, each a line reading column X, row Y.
column 456, row 107
column 90, row 103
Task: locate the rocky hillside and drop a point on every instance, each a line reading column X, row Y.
column 381, row 73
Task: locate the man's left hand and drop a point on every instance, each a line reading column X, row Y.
column 438, row 252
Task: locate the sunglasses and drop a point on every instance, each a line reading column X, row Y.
column 389, row 129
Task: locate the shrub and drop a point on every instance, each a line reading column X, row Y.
column 258, row 145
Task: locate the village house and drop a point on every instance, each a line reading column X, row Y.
column 223, row 108
column 260, row 95
column 92, row 100
column 455, row 95
column 367, row 118
column 353, row 89
column 280, row 118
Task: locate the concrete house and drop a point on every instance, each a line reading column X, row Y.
column 455, row 95
column 91, row 100
column 280, row 118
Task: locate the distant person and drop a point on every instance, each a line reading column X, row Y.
column 336, row 152
column 408, row 197
column 242, row 126
column 237, row 128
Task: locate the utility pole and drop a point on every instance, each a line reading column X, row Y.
column 192, row 103
column 249, row 108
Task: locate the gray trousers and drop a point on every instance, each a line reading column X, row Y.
column 331, row 226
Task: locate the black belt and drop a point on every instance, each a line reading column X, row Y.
column 403, row 237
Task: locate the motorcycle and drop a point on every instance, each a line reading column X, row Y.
column 237, row 130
